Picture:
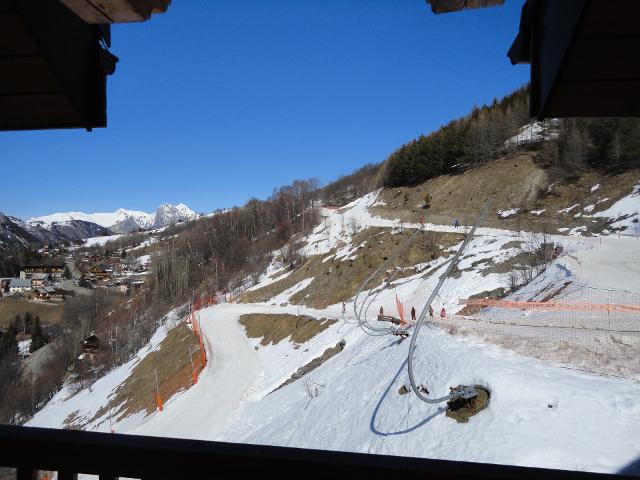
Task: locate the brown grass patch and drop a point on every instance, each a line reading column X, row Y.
column 10, row 307
column 337, row 280
column 515, row 181
column 273, row 328
column 173, row 365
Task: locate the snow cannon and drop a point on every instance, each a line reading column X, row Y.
column 466, row 401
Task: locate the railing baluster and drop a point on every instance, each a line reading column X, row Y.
column 26, row 473
column 67, row 475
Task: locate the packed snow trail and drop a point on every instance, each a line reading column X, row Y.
column 232, row 368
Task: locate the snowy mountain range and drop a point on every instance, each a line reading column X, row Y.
column 122, row 220
column 15, row 232
column 73, row 226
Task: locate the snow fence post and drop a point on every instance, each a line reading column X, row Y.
column 158, row 399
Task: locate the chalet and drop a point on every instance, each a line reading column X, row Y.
column 40, row 279
column 91, row 346
column 43, row 294
column 56, row 271
column 19, row 285
column 101, row 271
column 122, row 287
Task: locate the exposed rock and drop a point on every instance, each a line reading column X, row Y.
column 460, row 410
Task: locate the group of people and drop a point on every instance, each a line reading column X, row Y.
column 443, row 312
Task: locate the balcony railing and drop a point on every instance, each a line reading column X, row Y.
column 69, row 453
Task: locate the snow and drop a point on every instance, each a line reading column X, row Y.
column 100, row 241
column 103, row 219
column 164, row 215
column 85, row 404
column 289, row 292
column 625, row 211
column 144, row 259
column 568, row 209
column 537, row 212
column 534, row 132
column 589, row 208
column 540, row 414
column 507, row 213
column 23, row 347
column 145, row 243
column 595, row 187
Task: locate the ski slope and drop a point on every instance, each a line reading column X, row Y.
column 539, row 414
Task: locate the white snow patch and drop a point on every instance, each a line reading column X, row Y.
column 100, row 241
column 626, row 211
column 507, row 213
column 536, row 131
column 568, row 209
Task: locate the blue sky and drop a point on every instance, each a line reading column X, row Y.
column 215, row 102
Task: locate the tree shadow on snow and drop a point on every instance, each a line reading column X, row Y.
column 376, row 411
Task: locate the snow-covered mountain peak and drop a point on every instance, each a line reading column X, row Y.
column 122, row 220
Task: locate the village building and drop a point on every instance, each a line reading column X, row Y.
column 101, row 271
column 91, row 346
column 40, row 279
column 19, row 285
column 56, row 271
column 43, row 294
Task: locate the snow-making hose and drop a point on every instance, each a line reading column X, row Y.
column 363, row 323
column 464, row 391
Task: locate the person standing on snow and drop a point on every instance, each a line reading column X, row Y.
column 381, row 311
column 443, row 313
column 456, row 223
column 413, row 313
column 430, row 311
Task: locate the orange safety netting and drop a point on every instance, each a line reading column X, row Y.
column 577, row 306
column 400, row 307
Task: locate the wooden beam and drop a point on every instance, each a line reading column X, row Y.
column 116, row 11
column 446, row 6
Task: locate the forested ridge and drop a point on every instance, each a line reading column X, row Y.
column 608, row 144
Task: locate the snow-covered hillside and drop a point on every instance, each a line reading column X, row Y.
column 122, row 220
column 542, row 412
column 14, row 232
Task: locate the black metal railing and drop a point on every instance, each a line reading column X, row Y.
column 113, row 455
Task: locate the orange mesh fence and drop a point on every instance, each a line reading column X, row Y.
column 577, row 326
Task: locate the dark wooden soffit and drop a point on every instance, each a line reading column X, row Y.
column 446, row 6
column 53, row 68
column 584, row 57
column 116, row 11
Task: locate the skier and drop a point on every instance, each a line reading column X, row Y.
column 430, row 311
column 381, row 311
column 413, row 313
column 456, row 223
column 443, row 313
column 344, row 308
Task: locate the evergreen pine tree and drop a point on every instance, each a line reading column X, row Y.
column 8, row 343
column 28, row 320
column 18, row 322
column 38, row 339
